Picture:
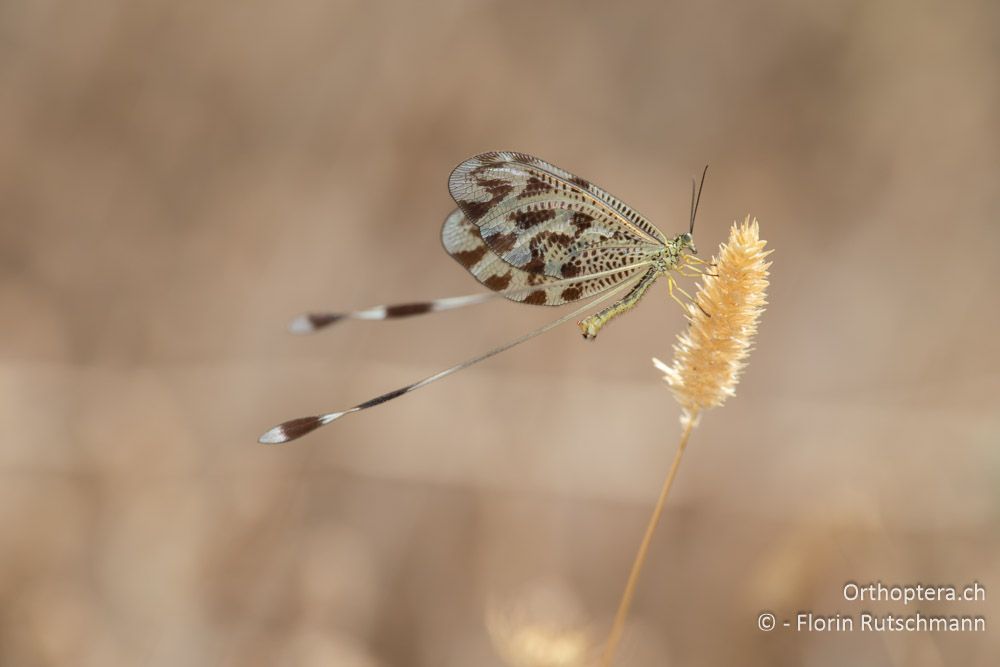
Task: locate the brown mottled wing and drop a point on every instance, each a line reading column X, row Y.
column 545, row 220
column 462, row 241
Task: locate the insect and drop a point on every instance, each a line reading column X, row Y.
column 534, row 233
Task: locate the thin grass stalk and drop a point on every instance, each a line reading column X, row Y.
column 640, row 557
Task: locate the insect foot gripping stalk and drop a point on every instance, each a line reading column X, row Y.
column 591, row 325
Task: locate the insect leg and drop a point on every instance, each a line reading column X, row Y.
column 672, row 285
column 697, row 260
column 696, row 265
column 681, row 290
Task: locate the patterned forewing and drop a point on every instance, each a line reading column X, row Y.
column 546, row 220
column 461, row 240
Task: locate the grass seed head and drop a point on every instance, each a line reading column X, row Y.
column 711, row 354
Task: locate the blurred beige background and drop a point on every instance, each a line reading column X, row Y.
column 178, row 179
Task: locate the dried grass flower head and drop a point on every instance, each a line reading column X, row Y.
column 543, row 626
column 711, row 354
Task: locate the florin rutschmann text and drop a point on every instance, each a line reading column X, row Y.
column 877, row 593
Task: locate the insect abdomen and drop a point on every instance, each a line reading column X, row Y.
column 591, row 325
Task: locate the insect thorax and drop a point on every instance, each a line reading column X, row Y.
column 667, row 259
column 672, row 255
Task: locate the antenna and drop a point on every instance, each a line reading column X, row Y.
column 695, row 200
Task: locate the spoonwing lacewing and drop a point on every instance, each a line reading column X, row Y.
column 534, row 233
